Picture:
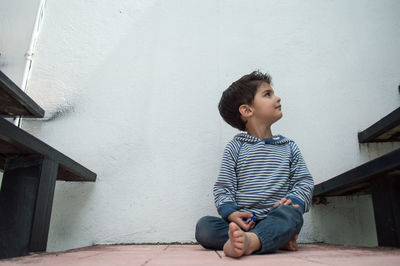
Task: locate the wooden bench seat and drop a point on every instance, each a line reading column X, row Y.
column 15, row 142
column 360, row 179
column 15, row 102
column 386, row 129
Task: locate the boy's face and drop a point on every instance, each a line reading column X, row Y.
column 266, row 105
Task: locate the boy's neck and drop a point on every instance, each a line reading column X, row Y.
column 260, row 132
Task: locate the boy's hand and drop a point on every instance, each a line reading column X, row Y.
column 237, row 218
column 285, row 201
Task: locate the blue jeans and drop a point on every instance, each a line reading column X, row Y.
column 279, row 227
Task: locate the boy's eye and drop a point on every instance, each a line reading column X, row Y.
column 268, row 94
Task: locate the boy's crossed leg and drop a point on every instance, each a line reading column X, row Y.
column 269, row 235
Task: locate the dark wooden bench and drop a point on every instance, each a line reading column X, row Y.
column 31, row 168
column 14, row 102
column 379, row 177
column 386, row 129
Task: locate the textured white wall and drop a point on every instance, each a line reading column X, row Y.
column 131, row 89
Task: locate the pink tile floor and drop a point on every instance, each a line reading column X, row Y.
column 308, row 254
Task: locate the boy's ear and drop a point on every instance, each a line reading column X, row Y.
column 246, row 111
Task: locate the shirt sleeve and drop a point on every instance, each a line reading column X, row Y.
column 301, row 182
column 226, row 185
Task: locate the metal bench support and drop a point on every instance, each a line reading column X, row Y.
column 386, row 202
column 26, row 199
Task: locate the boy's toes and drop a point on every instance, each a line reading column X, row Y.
column 234, row 246
column 291, row 245
column 234, row 228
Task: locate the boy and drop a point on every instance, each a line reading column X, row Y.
column 264, row 186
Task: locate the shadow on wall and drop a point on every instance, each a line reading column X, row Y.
column 346, row 220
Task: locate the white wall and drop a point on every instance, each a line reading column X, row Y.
column 17, row 19
column 131, row 89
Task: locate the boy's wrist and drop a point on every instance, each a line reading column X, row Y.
column 226, row 209
column 295, row 200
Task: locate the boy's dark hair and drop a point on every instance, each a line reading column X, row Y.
column 240, row 92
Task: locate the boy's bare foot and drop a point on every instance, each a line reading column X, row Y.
column 240, row 243
column 291, row 245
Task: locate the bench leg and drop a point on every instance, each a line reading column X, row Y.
column 26, row 199
column 386, row 202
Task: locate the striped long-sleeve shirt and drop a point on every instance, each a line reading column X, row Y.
column 256, row 173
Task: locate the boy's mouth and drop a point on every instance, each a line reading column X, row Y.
column 279, row 107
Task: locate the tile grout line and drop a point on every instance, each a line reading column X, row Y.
column 216, row 251
column 147, row 261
